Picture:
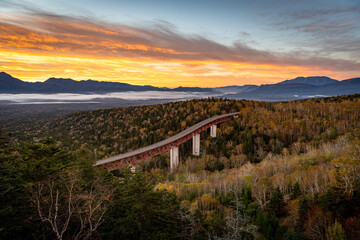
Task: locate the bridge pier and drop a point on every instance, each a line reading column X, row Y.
column 196, row 145
column 213, row 131
column 174, row 158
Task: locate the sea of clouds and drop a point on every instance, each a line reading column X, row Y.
column 97, row 98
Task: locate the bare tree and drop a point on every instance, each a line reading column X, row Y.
column 346, row 175
column 317, row 224
column 93, row 207
column 63, row 201
column 238, row 223
column 190, row 223
column 261, row 191
column 48, row 201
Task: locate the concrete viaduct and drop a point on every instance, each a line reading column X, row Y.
column 171, row 143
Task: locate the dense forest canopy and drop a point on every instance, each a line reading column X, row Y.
column 262, row 127
column 281, row 170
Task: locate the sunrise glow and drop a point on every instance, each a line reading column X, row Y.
column 35, row 45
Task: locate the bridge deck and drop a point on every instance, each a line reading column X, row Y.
column 165, row 142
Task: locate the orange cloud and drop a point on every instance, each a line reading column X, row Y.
column 35, row 46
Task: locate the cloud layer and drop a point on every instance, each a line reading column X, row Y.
column 37, row 43
column 96, row 98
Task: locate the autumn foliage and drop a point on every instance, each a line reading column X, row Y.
column 281, row 170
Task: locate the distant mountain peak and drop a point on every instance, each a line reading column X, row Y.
column 57, row 80
column 8, row 78
column 313, row 80
column 4, row 74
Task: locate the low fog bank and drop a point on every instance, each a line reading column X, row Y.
column 100, row 98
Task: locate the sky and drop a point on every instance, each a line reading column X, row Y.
column 169, row 43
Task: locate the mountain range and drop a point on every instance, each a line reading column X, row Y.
column 301, row 87
column 298, row 88
column 9, row 84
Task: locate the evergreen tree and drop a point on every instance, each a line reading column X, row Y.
column 336, row 232
column 268, row 225
column 295, row 191
column 303, row 212
column 277, row 204
column 292, row 235
column 31, row 163
column 140, row 212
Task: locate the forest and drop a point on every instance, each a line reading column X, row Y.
column 281, row 170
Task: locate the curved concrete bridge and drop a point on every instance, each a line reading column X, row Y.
column 171, row 143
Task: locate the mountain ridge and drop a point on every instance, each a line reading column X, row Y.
column 294, row 91
column 297, row 88
column 9, row 84
column 315, row 80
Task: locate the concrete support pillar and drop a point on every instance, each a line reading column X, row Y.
column 196, row 145
column 174, row 158
column 213, row 131
column 133, row 168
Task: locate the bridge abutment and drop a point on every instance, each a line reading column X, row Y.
column 196, row 145
column 174, row 158
column 213, row 131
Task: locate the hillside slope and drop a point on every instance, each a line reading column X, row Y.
column 280, row 170
column 272, row 125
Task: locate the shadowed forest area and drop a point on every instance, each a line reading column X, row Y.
column 281, row 170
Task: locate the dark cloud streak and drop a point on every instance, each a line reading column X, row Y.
column 332, row 31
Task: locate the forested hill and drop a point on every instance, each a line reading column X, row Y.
column 262, row 127
column 281, row 171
